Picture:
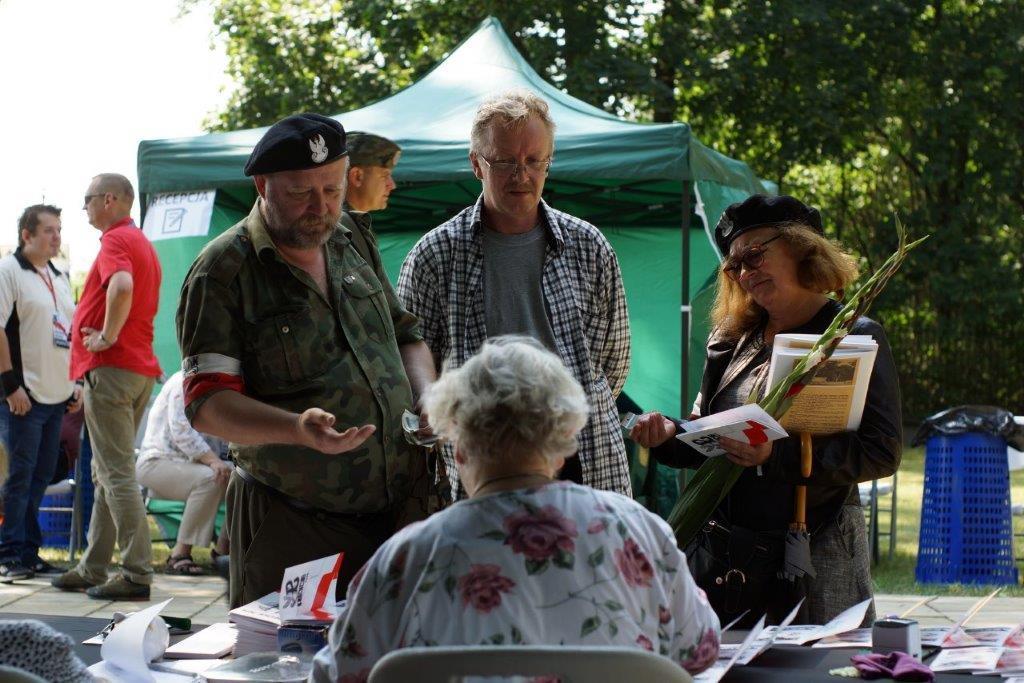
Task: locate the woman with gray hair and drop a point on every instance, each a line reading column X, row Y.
column 527, row 559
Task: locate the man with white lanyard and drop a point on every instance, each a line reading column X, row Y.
column 36, row 307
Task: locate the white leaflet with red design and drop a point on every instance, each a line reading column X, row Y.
column 307, row 590
column 955, row 635
column 748, row 423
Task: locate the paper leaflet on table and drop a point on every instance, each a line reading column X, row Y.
column 748, row 423
column 998, row 636
column 262, row 614
column 861, row 637
column 1011, row 662
column 762, row 643
column 955, row 635
column 307, row 590
column 846, row 620
column 123, row 650
column 734, row 621
column 833, row 399
column 212, row 642
column 967, row 659
column 714, row 673
column 858, row 638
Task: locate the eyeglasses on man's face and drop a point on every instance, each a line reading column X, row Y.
column 752, row 257
column 90, row 197
column 506, row 168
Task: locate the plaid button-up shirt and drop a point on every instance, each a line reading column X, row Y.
column 442, row 284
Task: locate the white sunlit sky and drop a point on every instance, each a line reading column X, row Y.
column 81, row 83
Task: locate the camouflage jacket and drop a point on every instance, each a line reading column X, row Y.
column 249, row 321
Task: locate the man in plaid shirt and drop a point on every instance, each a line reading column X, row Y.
column 511, row 264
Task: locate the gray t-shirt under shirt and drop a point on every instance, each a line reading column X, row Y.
column 513, row 292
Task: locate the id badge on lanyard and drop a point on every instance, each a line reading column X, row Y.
column 61, row 325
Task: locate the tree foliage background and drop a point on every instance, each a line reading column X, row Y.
column 865, row 109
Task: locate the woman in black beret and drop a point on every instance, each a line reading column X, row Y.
column 781, row 275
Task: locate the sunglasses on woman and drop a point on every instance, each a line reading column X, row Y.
column 752, row 257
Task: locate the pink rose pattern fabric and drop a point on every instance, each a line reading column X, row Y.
column 635, row 568
column 483, row 585
column 561, row 563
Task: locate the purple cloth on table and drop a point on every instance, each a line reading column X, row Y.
column 896, row 665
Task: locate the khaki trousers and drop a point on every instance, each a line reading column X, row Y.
column 192, row 482
column 115, row 401
column 268, row 536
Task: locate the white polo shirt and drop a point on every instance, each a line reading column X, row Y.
column 33, row 316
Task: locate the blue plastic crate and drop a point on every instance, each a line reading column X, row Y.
column 966, row 527
column 56, row 526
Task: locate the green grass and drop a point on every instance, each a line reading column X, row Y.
column 896, row 575
column 160, row 552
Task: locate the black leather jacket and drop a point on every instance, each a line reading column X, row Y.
column 765, row 502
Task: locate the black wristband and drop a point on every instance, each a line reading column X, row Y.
column 11, row 381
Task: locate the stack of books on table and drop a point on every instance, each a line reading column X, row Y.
column 261, row 629
column 257, row 625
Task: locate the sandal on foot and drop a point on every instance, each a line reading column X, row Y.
column 183, row 566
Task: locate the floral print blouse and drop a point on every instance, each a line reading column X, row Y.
column 556, row 564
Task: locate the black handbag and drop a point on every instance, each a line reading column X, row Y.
column 739, row 570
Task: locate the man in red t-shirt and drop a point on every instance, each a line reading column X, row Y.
column 112, row 349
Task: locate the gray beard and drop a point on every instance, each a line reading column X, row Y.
column 298, row 235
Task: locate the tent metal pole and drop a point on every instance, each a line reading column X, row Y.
column 685, row 312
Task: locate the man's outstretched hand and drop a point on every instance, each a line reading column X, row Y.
column 315, row 429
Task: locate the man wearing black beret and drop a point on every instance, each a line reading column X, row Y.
column 288, row 328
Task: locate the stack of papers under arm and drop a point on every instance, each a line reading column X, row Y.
column 833, row 400
column 257, row 625
column 748, row 423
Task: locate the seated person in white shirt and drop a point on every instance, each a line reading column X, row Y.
column 178, row 463
column 526, row 559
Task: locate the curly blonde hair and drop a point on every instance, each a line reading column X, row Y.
column 511, row 400
column 822, row 266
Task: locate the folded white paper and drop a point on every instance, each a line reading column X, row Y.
column 748, row 423
column 124, row 649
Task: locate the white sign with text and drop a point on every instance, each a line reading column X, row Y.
column 179, row 214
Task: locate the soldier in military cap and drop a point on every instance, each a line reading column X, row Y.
column 288, row 328
column 371, row 159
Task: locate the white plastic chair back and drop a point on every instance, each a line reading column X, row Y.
column 570, row 664
column 1014, row 457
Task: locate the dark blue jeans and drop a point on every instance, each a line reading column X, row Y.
column 32, row 442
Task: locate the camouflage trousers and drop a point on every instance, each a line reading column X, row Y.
column 268, row 535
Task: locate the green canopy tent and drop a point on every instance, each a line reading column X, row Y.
column 653, row 190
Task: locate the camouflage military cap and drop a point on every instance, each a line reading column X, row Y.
column 367, row 149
